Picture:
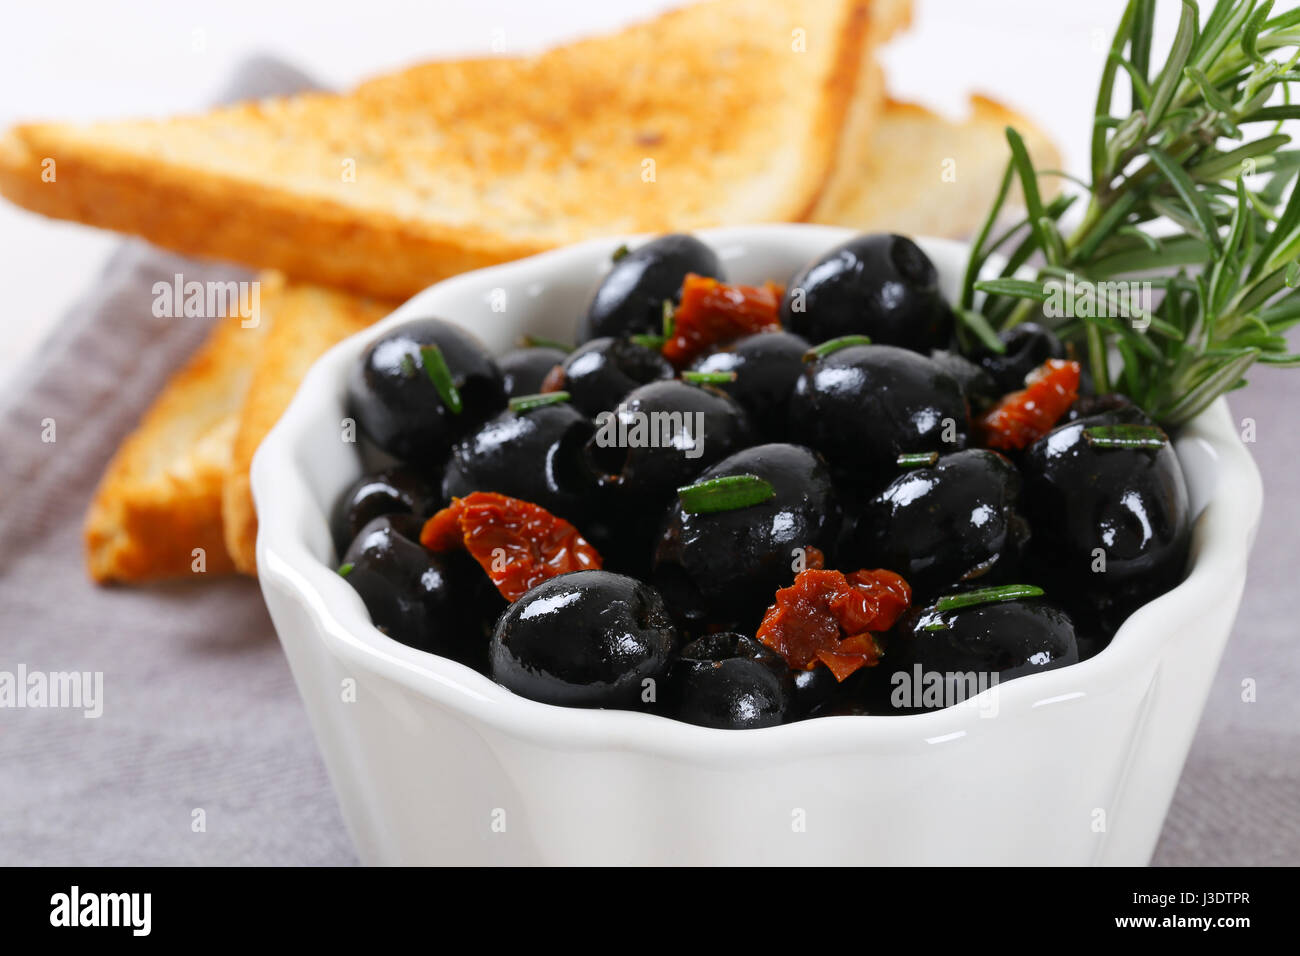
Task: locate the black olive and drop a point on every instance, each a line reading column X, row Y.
column 936, row 659
column 1029, row 345
column 1111, row 525
column 535, row 455
column 981, row 391
column 440, row 603
column 815, row 692
column 865, row 405
column 631, row 298
column 880, row 285
column 766, row 366
column 524, row 370
column 662, row 435
column 637, row 479
column 1088, row 405
column 585, row 639
column 957, row 521
column 397, row 405
column 624, row 536
column 597, row 375
column 731, row 682
column 1096, row 619
column 396, row 490
column 722, row 569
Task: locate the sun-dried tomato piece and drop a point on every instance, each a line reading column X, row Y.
column 517, row 543
column 828, row 617
column 712, row 314
column 442, row 532
column 554, row 381
column 886, row 596
column 855, row 651
column 1023, row 417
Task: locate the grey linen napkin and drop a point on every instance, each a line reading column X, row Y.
column 199, row 709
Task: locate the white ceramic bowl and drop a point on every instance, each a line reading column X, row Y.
column 435, row 764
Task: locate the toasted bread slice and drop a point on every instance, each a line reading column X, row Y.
column 160, row 497
column 924, row 175
column 307, row 321
column 722, row 112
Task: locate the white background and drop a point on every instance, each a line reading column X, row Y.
column 88, row 60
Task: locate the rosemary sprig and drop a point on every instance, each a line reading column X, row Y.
column 1189, row 149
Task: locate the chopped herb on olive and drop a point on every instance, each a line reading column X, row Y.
column 834, row 345
column 728, row 493
column 526, row 403
column 917, row 459
column 435, row 366
column 709, row 378
column 1125, row 436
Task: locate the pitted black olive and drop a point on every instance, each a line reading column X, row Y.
column 1029, row 345
column 865, row 405
column 766, row 367
column 661, row 436
column 535, row 455
column 721, row 569
column 524, row 370
column 599, row 374
column 731, row 682
column 955, row 522
column 1112, row 526
column 585, row 639
column 880, row 285
column 396, row 490
column 396, row 403
column 630, row 300
column 937, row 659
column 440, row 603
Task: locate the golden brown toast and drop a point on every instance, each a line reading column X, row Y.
column 722, row 112
column 923, row 175
column 160, row 497
column 306, row 322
